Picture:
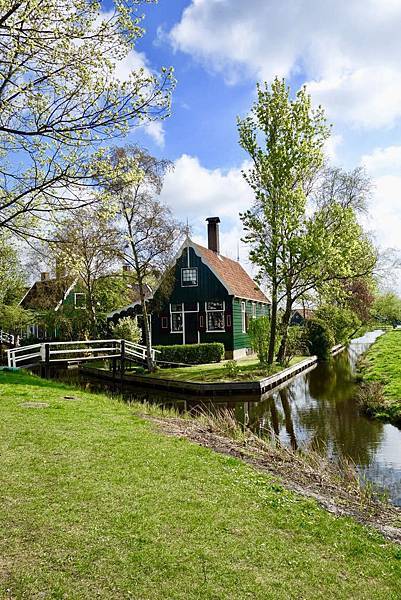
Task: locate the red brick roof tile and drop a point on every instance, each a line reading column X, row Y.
column 231, row 274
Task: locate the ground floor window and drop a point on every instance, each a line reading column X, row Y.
column 80, row 300
column 176, row 318
column 215, row 316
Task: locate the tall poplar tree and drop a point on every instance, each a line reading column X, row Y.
column 284, row 138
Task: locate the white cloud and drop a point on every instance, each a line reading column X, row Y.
column 123, row 69
column 384, row 166
column 155, row 130
column 194, row 192
column 383, row 161
column 347, row 50
column 132, row 62
column 331, row 146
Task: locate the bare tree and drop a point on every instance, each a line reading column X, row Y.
column 147, row 226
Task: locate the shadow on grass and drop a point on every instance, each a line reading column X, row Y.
column 22, row 378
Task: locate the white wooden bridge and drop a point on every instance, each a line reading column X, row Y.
column 53, row 353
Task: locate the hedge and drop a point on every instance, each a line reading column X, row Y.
column 191, row 354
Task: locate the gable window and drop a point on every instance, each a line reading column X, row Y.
column 215, row 316
column 243, row 317
column 176, row 318
column 189, row 277
column 79, row 300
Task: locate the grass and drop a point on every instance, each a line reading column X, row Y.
column 381, row 372
column 96, row 504
column 249, row 369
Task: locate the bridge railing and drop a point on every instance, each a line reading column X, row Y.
column 77, row 351
column 25, row 355
column 82, row 350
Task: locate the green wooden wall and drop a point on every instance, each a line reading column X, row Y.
column 241, row 340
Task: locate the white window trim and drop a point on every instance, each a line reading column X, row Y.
column 197, row 275
column 75, row 299
column 254, row 305
column 243, row 316
column 177, row 312
column 223, row 310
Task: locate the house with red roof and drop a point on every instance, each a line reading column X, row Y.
column 204, row 297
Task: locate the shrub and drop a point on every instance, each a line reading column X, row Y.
column 259, row 335
column 319, row 338
column 126, row 329
column 296, row 342
column 342, row 321
column 191, row 354
column 232, row 368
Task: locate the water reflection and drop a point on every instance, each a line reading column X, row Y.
column 318, row 409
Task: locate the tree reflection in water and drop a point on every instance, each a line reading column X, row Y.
column 319, row 409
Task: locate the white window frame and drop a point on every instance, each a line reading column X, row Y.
column 177, row 312
column 223, row 310
column 75, row 299
column 243, row 316
column 253, row 310
column 189, row 269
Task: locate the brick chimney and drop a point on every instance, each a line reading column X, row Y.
column 213, row 238
column 45, row 276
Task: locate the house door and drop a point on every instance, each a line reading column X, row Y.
column 191, row 328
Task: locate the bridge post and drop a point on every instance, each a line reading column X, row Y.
column 114, row 362
column 47, row 361
column 122, row 360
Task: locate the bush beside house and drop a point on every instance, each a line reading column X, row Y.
column 191, row 354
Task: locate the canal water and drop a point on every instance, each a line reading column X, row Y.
column 317, row 409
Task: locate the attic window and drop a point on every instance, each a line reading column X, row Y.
column 189, row 277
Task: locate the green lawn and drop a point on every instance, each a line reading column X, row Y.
column 382, row 364
column 249, row 370
column 96, row 504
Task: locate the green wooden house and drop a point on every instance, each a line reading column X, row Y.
column 211, row 299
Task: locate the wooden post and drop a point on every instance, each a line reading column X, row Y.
column 114, row 362
column 47, row 361
column 122, row 361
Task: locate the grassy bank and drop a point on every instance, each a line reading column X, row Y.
column 96, row 504
column 380, row 394
column 247, row 369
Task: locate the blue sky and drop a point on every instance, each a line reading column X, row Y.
column 347, row 52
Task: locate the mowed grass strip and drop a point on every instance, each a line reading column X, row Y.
column 249, row 369
column 382, row 364
column 96, row 504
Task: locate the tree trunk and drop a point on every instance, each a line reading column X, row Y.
column 92, row 310
column 284, row 324
column 273, row 323
column 149, row 360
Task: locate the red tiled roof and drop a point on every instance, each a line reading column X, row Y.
column 231, row 274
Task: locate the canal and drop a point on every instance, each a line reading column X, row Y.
column 317, row 409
